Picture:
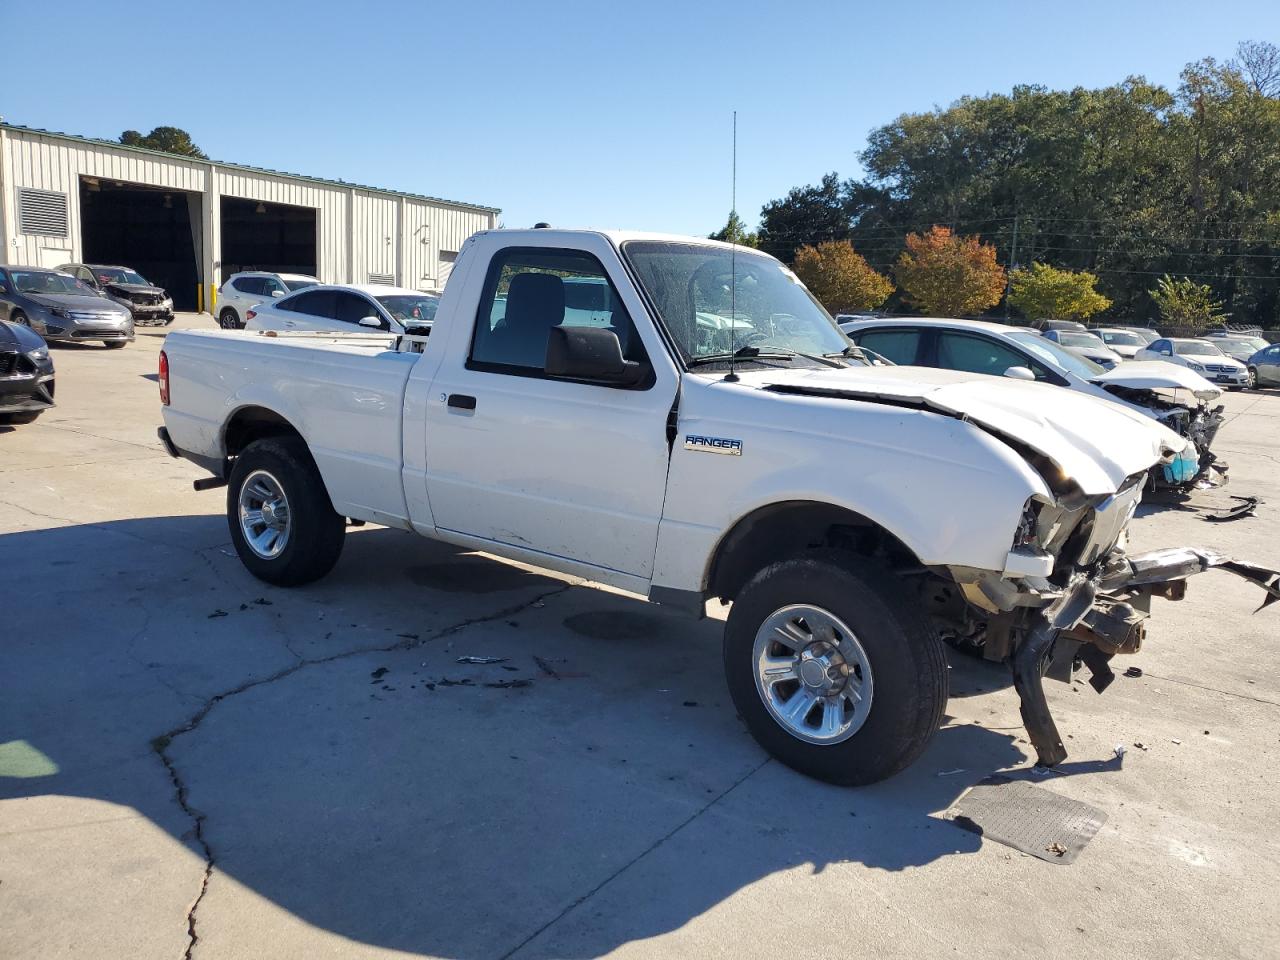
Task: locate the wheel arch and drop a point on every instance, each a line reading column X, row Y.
column 253, row 422
column 790, row 528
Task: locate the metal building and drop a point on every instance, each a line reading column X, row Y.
column 188, row 224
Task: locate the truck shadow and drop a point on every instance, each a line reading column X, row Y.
column 400, row 798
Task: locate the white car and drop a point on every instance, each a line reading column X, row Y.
column 839, row 507
column 1084, row 344
column 349, row 308
column 243, row 291
column 1171, row 395
column 1126, row 343
column 1202, row 356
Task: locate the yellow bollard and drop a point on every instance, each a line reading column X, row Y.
column 200, row 298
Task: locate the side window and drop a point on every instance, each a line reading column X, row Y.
column 1162, row 346
column 249, row 285
column 958, row 351
column 352, row 308
column 527, row 292
column 314, row 303
column 900, row 346
column 270, row 285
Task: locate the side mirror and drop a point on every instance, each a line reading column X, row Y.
column 1019, row 373
column 371, row 322
column 3, row 288
column 277, row 293
column 590, row 353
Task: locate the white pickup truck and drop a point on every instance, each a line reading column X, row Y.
column 704, row 431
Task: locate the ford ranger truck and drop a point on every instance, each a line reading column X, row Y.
column 680, row 418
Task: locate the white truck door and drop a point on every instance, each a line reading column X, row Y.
column 569, row 470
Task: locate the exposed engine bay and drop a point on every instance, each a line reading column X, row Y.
column 1199, row 423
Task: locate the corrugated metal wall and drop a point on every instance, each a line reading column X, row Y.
column 359, row 231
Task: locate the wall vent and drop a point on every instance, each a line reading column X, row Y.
column 42, row 212
column 385, row 279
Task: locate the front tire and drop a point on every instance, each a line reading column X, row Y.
column 19, row 418
column 282, row 521
column 1253, row 378
column 833, row 668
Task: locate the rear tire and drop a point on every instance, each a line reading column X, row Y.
column 311, row 535
column 228, row 319
column 895, row 658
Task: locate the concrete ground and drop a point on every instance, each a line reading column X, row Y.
column 193, row 763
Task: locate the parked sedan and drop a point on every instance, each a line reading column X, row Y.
column 1084, row 344
column 1124, row 342
column 241, row 292
column 1198, row 355
column 1264, row 367
column 59, row 307
column 1240, row 346
column 149, row 304
column 26, row 374
column 348, row 308
column 1147, row 389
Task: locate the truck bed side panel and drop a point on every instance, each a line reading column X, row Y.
column 345, row 401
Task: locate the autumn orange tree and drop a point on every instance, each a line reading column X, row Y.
column 949, row 276
column 840, row 277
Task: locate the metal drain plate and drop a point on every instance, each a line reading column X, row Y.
column 1028, row 818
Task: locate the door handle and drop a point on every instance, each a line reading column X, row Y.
column 460, row 401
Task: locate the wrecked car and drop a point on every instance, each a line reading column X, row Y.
column 758, row 462
column 1175, row 396
column 150, row 305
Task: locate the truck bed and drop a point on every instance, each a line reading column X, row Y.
column 343, row 392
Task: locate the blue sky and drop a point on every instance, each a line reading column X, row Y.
column 582, row 114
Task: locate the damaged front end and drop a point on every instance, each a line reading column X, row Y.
column 1093, row 606
column 1197, row 468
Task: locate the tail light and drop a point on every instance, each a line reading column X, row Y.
column 250, row 314
column 164, row 378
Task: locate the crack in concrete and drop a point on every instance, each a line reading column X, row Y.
column 162, row 743
column 636, row 859
column 1201, row 686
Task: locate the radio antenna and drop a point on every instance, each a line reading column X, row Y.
column 732, row 376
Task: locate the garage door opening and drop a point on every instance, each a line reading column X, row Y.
column 150, row 229
column 267, row 236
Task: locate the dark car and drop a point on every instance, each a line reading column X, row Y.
column 59, row 307
column 149, row 304
column 26, row 374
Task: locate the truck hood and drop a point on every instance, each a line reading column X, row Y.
column 127, row 288
column 1157, row 375
column 1095, row 443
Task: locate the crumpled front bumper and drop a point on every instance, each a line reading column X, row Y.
column 1095, row 618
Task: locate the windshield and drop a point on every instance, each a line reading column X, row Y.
column 1049, row 351
column 33, row 282
column 118, row 275
column 714, row 302
column 296, row 284
column 410, row 307
column 1121, row 338
column 1070, row 339
column 1197, row 348
column 1242, row 343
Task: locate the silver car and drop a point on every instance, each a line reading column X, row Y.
column 59, row 307
column 243, row 291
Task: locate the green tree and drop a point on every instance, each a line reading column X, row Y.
column 841, row 278
column 949, row 276
column 1047, row 293
column 1127, row 182
column 735, row 231
column 165, row 139
column 1185, row 303
column 806, row 215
